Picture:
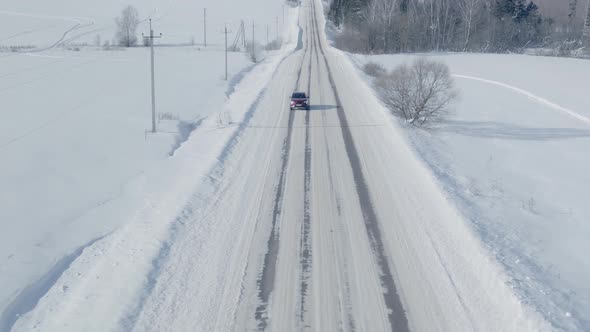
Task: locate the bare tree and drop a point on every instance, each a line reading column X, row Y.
column 127, row 26
column 573, row 8
column 374, row 26
column 420, row 94
column 468, row 11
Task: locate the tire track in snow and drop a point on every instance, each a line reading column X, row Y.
column 266, row 280
column 530, row 95
column 397, row 315
column 77, row 26
column 306, row 248
column 347, row 305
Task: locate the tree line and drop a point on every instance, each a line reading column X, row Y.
column 393, row 26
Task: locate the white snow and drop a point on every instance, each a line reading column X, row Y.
column 191, row 257
column 106, row 227
column 42, row 23
column 112, row 272
column 513, row 159
column 74, row 144
column 75, row 155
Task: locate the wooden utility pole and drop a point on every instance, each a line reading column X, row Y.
column 205, row 26
column 226, row 32
column 253, row 44
column 151, row 38
column 243, row 35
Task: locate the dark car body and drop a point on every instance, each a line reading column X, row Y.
column 299, row 100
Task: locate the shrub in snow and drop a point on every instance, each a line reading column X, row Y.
column 168, row 116
column 255, row 52
column 373, row 69
column 568, row 47
column 421, row 94
column 273, row 45
column 234, row 48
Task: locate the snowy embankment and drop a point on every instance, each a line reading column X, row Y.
column 73, row 144
column 75, row 156
column 513, row 156
column 106, row 278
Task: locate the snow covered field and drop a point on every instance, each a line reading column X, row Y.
column 75, row 155
column 262, row 215
column 105, row 173
column 42, row 23
column 514, row 158
column 230, row 237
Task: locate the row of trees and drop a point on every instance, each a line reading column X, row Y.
column 390, row 26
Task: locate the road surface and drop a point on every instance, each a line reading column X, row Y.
column 343, row 228
column 318, row 220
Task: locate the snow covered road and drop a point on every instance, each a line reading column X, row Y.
column 322, row 220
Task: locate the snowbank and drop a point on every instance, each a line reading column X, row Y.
column 107, row 280
column 512, row 158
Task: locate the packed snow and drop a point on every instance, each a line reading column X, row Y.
column 512, row 156
column 161, row 199
column 74, row 142
column 194, row 255
column 86, row 189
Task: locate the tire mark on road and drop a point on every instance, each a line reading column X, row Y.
column 266, row 280
column 347, row 307
column 306, row 248
column 397, row 315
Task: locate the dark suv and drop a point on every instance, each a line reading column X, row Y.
column 299, row 100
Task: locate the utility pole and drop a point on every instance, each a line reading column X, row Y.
column 243, row 34
column 283, row 14
column 151, row 38
column 226, row 32
column 253, row 44
column 586, row 32
column 277, row 26
column 267, row 41
column 205, row 26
